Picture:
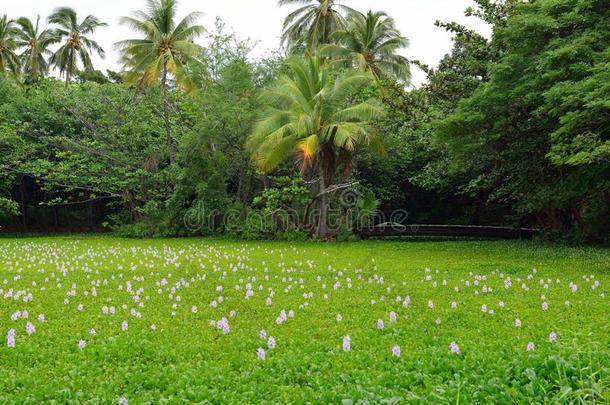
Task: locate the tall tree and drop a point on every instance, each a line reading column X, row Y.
column 76, row 43
column 9, row 62
column 308, row 116
column 371, row 42
column 313, row 23
column 35, row 44
column 165, row 49
column 535, row 134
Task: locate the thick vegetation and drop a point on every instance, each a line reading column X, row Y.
column 204, row 320
column 191, row 139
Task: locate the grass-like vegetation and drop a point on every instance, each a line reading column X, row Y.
column 467, row 292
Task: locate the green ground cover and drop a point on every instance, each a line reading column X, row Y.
column 104, row 319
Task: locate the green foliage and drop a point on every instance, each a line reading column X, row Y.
column 370, row 42
column 313, row 23
column 77, row 44
column 508, row 130
column 186, row 359
column 35, row 43
column 537, row 131
column 288, row 194
column 166, row 47
column 307, row 114
column 9, row 62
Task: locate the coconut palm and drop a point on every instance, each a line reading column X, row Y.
column 309, row 117
column 76, row 45
column 35, row 44
column 164, row 50
column 9, row 62
column 370, row 42
column 313, row 23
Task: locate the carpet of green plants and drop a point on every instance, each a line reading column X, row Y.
column 109, row 320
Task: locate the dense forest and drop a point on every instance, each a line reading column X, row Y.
column 188, row 139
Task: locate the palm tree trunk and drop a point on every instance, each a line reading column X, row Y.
column 168, row 129
column 321, row 230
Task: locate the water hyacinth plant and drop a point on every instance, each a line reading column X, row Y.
column 339, row 316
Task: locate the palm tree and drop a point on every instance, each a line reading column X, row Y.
column 165, row 49
column 36, row 46
column 77, row 45
column 370, row 42
column 308, row 116
column 9, row 62
column 313, row 23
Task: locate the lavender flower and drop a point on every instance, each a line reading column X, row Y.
column 380, row 324
column 271, row 343
column 396, row 351
column 10, row 338
column 392, row 317
column 82, row 344
column 262, row 334
column 518, row 323
column 552, row 337
column 346, row 344
column 454, row 348
column 531, row 346
column 260, row 353
column 30, row 328
column 124, row 326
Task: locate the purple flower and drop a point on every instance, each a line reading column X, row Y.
column 392, row 317
column 82, row 344
column 260, row 353
column 338, row 317
column 123, row 401
column 10, row 338
column 262, row 334
column 380, row 324
column 30, row 328
column 224, row 325
column 396, row 351
column 271, row 343
column 552, row 337
column 153, row 327
column 124, row 326
column 194, row 309
column 531, row 346
column 545, row 306
column 346, row 344
column 518, row 323
column 454, row 348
